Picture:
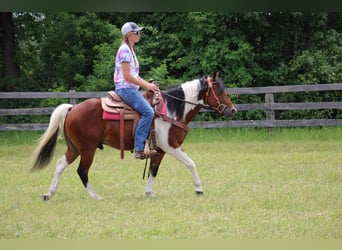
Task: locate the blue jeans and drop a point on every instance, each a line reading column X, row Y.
column 133, row 98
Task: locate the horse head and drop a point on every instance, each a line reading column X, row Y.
column 215, row 96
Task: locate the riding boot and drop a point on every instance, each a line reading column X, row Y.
column 146, row 153
column 141, row 155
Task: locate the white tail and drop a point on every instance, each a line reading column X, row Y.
column 43, row 153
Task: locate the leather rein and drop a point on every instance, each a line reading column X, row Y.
column 219, row 108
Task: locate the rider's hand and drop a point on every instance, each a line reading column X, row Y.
column 152, row 86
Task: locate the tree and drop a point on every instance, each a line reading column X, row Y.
column 7, row 42
column 59, row 51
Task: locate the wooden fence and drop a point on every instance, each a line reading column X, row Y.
column 269, row 106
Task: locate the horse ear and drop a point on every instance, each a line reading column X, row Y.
column 216, row 74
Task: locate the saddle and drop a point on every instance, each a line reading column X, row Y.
column 114, row 108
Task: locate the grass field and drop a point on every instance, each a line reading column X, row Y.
column 285, row 184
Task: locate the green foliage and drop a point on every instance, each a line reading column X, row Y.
column 101, row 77
column 250, row 49
column 67, row 50
column 321, row 62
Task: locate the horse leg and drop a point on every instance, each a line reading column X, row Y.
column 181, row 156
column 83, row 169
column 153, row 170
column 61, row 165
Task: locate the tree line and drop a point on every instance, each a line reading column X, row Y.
column 59, row 51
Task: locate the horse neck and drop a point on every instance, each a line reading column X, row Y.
column 182, row 103
column 192, row 114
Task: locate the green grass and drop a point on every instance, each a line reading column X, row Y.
column 286, row 184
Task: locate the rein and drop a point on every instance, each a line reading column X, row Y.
column 220, row 108
column 185, row 101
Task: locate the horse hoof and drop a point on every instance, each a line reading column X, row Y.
column 45, row 197
column 98, row 198
column 199, row 193
column 150, row 194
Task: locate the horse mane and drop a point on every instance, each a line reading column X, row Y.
column 220, row 85
column 175, row 107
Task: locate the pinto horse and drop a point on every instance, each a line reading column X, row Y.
column 85, row 130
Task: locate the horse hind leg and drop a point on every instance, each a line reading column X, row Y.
column 61, row 165
column 83, row 169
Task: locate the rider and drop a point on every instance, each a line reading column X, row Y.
column 127, row 83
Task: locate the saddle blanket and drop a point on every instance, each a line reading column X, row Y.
column 110, row 116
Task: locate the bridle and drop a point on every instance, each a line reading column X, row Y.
column 220, row 108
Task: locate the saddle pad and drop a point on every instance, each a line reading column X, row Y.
column 116, row 116
column 163, row 106
column 110, row 116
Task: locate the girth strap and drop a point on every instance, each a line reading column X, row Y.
column 179, row 124
column 122, row 133
column 152, row 136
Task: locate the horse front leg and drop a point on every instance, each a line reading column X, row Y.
column 149, row 186
column 152, row 173
column 181, row 156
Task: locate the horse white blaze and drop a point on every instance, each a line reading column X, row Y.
column 60, row 167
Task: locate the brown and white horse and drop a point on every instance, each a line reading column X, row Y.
column 84, row 131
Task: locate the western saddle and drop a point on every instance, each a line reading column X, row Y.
column 114, row 108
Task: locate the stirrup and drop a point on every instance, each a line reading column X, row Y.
column 146, row 153
column 141, row 155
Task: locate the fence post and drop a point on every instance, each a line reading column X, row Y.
column 72, row 100
column 270, row 115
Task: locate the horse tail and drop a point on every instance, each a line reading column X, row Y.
column 43, row 153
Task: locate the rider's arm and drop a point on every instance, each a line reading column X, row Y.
column 136, row 80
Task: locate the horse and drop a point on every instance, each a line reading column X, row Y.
column 85, row 130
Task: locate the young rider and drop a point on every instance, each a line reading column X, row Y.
column 128, row 82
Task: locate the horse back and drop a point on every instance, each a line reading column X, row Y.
column 84, row 122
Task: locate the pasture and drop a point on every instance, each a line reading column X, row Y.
column 285, row 184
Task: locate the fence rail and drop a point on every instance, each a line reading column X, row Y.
column 269, row 107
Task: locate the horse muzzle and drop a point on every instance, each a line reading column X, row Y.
column 229, row 112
